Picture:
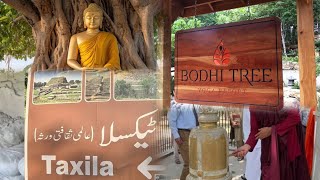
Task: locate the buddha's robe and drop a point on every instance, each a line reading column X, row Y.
column 100, row 51
column 282, row 153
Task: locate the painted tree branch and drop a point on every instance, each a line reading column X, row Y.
column 63, row 33
column 11, row 86
column 113, row 26
column 120, row 20
column 146, row 10
column 44, row 7
column 19, row 18
column 26, row 8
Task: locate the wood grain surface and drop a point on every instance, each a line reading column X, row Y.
column 306, row 50
column 237, row 63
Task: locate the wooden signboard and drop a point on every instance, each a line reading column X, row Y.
column 237, row 63
column 80, row 126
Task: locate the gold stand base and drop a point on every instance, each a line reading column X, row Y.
column 227, row 177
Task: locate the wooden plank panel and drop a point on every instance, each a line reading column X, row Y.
column 307, row 65
column 192, row 2
column 175, row 8
column 199, row 2
column 251, row 71
column 201, row 9
column 244, row 2
column 218, row 6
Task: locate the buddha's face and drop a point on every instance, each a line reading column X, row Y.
column 93, row 20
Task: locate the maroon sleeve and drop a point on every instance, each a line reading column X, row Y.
column 253, row 131
column 292, row 120
column 288, row 127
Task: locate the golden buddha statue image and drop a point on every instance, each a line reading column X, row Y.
column 98, row 49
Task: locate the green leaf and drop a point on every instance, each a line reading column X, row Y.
column 3, row 18
column 15, row 37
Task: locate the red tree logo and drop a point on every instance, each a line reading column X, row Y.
column 221, row 55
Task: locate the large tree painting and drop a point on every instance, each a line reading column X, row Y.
column 53, row 22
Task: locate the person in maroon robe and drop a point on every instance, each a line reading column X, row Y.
column 282, row 151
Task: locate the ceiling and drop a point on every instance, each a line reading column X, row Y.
column 185, row 8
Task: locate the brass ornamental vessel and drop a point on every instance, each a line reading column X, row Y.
column 208, row 143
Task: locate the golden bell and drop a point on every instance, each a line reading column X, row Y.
column 208, row 148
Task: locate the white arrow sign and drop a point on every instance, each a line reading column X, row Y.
column 144, row 167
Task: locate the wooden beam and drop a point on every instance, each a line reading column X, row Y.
column 203, row 9
column 190, row 3
column 201, row 6
column 218, row 6
column 307, row 65
column 166, row 49
column 211, row 7
column 204, row 3
column 177, row 8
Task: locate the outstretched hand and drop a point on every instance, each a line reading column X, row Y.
column 263, row 133
column 241, row 151
column 179, row 141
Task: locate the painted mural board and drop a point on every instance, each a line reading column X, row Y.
column 77, row 129
column 236, row 63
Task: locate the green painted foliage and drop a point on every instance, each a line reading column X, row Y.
column 124, row 90
column 150, row 87
column 16, row 37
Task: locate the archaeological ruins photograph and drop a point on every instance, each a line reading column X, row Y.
column 137, row 85
column 97, row 86
column 51, row 87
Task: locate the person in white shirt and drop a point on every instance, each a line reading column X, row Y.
column 175, row 145
column 253, row 163
column 182, row 118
